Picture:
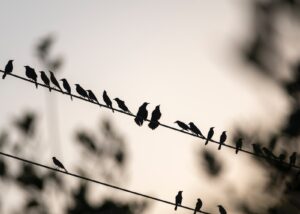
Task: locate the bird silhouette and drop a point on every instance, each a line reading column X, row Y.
column 223, row 138
column 156, row 115
column 122, row 105
column 107, row 100
column 195, row 130
column 8, row 68
column 257, row 150
column 58, row 163
column 30, row 73
column 222, row 209
column 67, row 87
column 268, row 153
column 54, row 80
column 142, row 114
column 282, row 157
column 238, row 145
column 182, row 125
column 293, row 158
column 209, row 135
column 198, row 206
column 178, row 199
column 45, row 79
column 93, row 97
column 81, row 91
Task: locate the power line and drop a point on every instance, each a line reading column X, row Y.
column 161, row 124
column 97, row 182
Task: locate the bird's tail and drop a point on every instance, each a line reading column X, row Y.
column 4, row 75
column 236, row 150
column 113, row 111
column 175, row 207
column 36, row 84
column 71, row 96
column 220, row 146
column 195, row 212
column 66, row 170
column 138, row 121
column 153, row 124
column 206, row 142
column 49, row 88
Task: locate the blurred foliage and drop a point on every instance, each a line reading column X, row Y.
column 104, row 156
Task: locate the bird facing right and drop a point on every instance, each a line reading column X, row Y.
column 30, row 73
column 209, row 135
column 178, row 199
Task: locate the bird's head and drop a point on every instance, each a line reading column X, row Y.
column 180, row 191
column 51, row 72
column 76, row 84
column 212, row 127
column 11, row 60
column 191, row 123
column 104, row 92
column 176, row 121
column 145, row 103
column 53, row 158
column 198, row 199
column 26, row 66
column 63, row 79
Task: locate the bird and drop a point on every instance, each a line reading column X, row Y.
column 8, row 68
column 54, row 80
column 93, row 97
column 178, row 199
column 81, row 91
column 122, row 105
column 198, row 206
column 67, row 87
column 268, row 153
column 30, row 73
column 182, row 125
column 58, row 163
column 195, row 130
column 107, row 100
column 45, row 79
column 257, row 150
column 293, row 158
column 222, row 209
column 281, row 157
column 156, row 115
column 223, row 138
column 238, row 145
column 209, row 135
column 142, row 114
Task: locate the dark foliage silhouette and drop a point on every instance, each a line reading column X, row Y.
column 198, row 205
column 195, row 130
column 209, row 135
column 142, row 114
column 223, row 138
column 178, row 199
column 107, row 100
column 67, row 87
column 182, row 125
column 45, row 79
column 8, row 68
column 122, row 105
column 156, row 115
column 30, row 73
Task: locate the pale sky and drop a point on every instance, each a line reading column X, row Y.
column 179, row 54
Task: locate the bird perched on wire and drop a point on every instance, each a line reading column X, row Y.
column 182, row 125
column 67, row 87
column 257, row 150
column 293, row 158
column 198, row 206
column 107, row 100
column 209, row 135
column 156, row 115
column 268, row 153
column 45, row 79
column 30, row 73
column 238, row 145
column 222, row 209
column 8, row 68
column 223, row 138
column 81, row 91
column 54, row 80
column 195, row 130
column 93, row 97
column 121, row 105
column 178, row 199
column 58, row 163
column 142, row 114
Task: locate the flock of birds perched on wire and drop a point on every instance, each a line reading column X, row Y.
column 142, row 116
